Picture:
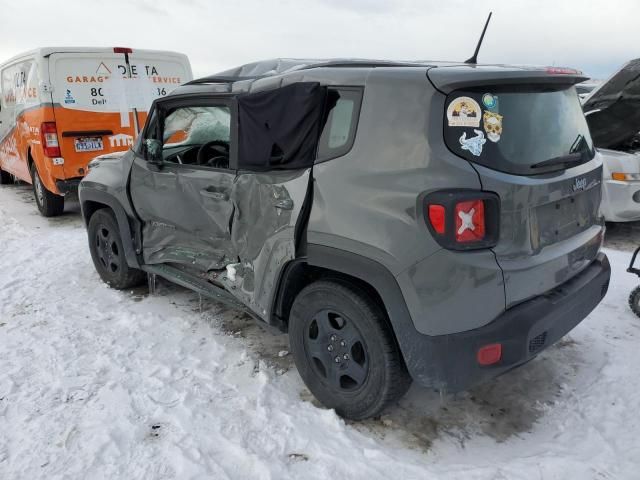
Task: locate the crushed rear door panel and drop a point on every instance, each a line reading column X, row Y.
column 278, row 136
column 266, row 209
column 186, row 213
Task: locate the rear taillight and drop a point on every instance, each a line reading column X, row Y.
column 470, row 221
column 49, row 137
column 463, row 219
column 437, row 218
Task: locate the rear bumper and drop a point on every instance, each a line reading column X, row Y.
column 68, row 186
column 449, row 361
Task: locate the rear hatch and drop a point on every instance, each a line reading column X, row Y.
column 102, row 98
column 524, row 132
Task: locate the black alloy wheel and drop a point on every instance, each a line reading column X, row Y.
column 345, row 350
column 337, row 350
column 107, row 249
column 107, row 252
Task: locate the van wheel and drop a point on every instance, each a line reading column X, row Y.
column 344, row 350
column 107, row 252
column 49, row 204
column 5, row 178
column 634, row 301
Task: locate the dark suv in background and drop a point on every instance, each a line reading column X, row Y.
column 425, row 221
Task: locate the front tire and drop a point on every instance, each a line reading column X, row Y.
column 107, row 252
column 49, row 204
column 345, row 351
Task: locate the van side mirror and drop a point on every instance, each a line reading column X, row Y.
column 153, row 151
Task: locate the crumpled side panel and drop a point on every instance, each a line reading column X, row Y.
column 267, row 207
column 187, row 215
column 257, row 215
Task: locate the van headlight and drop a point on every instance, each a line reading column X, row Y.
column 625, row 177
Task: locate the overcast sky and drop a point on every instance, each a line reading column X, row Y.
column 596, row 37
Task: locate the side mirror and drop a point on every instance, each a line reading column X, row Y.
column 153, row 151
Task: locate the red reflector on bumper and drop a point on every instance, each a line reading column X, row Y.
column 490, row 354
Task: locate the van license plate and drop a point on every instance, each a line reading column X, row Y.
column 89, row 144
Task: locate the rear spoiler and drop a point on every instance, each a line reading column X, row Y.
column 459, row 77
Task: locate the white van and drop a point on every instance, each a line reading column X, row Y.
column 60, row 107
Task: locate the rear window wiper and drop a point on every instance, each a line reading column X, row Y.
column 569, row 160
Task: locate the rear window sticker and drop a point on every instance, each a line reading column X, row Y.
column 473, row 144
column 464, row 112
column 492, row 125
column 490, row 101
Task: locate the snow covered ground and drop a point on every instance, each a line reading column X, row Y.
column 96, row 383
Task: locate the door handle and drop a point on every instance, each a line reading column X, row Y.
column 213, row 194
column 284, row 204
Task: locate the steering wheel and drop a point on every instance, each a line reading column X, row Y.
column 220, row 147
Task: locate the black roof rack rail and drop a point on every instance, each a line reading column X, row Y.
column 218, row 79
column 358, row 64
column 226, row 79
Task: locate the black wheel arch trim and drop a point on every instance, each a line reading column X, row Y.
column 90, row 195
column 384, row 283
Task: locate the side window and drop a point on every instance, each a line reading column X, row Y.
column 148, row 133
column 151, row 128
column 339, row 130
column 8, row 91
column 198, row 135
column 19, row 86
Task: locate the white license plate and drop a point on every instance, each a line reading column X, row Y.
column 89, row 144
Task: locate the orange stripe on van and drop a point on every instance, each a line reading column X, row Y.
column 24, row 142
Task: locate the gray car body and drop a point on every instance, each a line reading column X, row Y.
column 359, row 214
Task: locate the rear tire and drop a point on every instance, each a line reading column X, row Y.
column 107, row 252
column 345, row 351
column 5, row 178
column 634, row 301
column 49, row 204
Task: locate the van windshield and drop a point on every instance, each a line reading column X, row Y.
column 525, row 132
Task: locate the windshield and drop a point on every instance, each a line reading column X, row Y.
column 196, row 126
column 525, row 132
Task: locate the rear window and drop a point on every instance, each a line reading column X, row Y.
column 525, row 132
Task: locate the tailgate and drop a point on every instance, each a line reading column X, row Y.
column 526, row 135
column 550, row 229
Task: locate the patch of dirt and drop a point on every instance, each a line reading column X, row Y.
column 623, row 236
column 506, row 407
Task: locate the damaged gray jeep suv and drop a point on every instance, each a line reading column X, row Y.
column 402, row 221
